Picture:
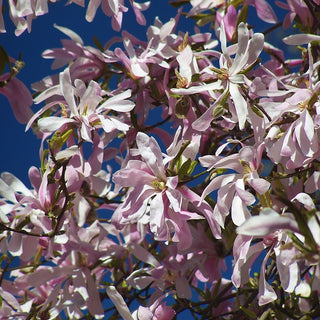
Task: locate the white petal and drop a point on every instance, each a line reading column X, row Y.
column 240, row 104
column 71, row 34
column 51, row 124
column 298, row 39
column 119, row 303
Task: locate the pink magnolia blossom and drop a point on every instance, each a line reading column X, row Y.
column 19, row 204
column 72, row 277
column 298, row 145
column 137, row 60
column 89, row 114
column 264, row 10
column 11, row 307
column 161, row 37
column 155, row 197
column 174, row 273
column 85, row 62
column 271, row 226
column 232, row 194
column 230, row 76
column 23, row 12
column 157, row 229
column 115, row 10
column 199, row 6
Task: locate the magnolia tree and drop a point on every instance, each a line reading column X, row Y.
column 165, row 162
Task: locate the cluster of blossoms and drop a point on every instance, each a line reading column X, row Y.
column 162, row 160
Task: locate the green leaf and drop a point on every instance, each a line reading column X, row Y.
column 218, row 111
column 207, row 18
column 216, row 289
column 257, row 111
column 179, row 154
column 236, row 3
column 243, row 15
column 192, row 166
column 195, row 77
column 183, row 171
column 313, row 100
column 59, row 139
column 43, row 160
column 265, row 199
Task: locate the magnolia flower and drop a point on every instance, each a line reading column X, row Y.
column 11, row 308
column 153, row 192
column 71, row 281
column 232, row 194
column 271, row 226
column 85, row 62
column 229, row 20
column 115, row 9
column 298, row 146
column 174, row 271
column 187, row 67
column 137, row 60
column 23, row 12
column 88, row 114
column 230, row 76
column 161, row 38
column 19, row 205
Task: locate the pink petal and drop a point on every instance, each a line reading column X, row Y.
column 260, row 185
column 94, row 301
column 183, row 288
column 143, row 255
column 265, row 12
column 19, row 98
column 266, row 223
column 266, row 293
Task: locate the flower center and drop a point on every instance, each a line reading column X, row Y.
column 159, row 185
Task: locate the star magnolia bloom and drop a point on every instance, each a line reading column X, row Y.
column 230, row 75
column 232, row 194
column 138, row 59
column 88, row 114
column 151, row 187
column 115, row 9
column 23, row 12
column 85, row 62
column 269, row 225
